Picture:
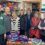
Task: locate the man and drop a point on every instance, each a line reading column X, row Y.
column 28, row 21
column 7, row 21
column 2, row 27
column 22, row 22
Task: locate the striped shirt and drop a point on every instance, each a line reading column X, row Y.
column 15, row 24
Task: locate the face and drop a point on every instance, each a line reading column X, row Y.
column 28, row 11
column 7, row 10
column 36, row 14
column 14, row 14
column 22, row 12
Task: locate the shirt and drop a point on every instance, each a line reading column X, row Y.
column 15, row 24
column 35, row 21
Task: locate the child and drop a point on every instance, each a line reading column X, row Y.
column 34, row 31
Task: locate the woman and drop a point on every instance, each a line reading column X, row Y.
column 34, row 26
column 41, row 26
column 15, row 23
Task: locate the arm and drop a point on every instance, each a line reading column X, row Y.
column 40, row 26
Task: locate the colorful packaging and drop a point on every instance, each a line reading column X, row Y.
column 13, row 36
column 23, row 38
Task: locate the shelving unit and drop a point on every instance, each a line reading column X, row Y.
column 18, row 4
column 12, row 4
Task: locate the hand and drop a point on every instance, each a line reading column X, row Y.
column 44, row 28
column 32, row 27
column 39, row 27
column 4, row 36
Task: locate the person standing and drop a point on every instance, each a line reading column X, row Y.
column 2, row 27
column 28, row 17
column 7, row 19
column 7, row 22
column 22, row 22
column 34, row 31
column 41, row 26
column 15, row 23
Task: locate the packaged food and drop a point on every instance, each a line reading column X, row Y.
column 23, row 38
column 29, row 42
column 13, row 36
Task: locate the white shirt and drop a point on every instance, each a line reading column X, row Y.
column 15, row 24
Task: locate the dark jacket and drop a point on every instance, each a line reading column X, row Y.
column 28, row 21
column 42, row 25
column 7, row 23
column 22, row 22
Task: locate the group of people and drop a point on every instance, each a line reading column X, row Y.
column 27, row 24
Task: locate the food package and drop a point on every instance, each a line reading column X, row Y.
column 23, row 38
column 17, row 43
column 29, row 42
column 13, row 36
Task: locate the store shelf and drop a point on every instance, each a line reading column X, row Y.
column 32, row 1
